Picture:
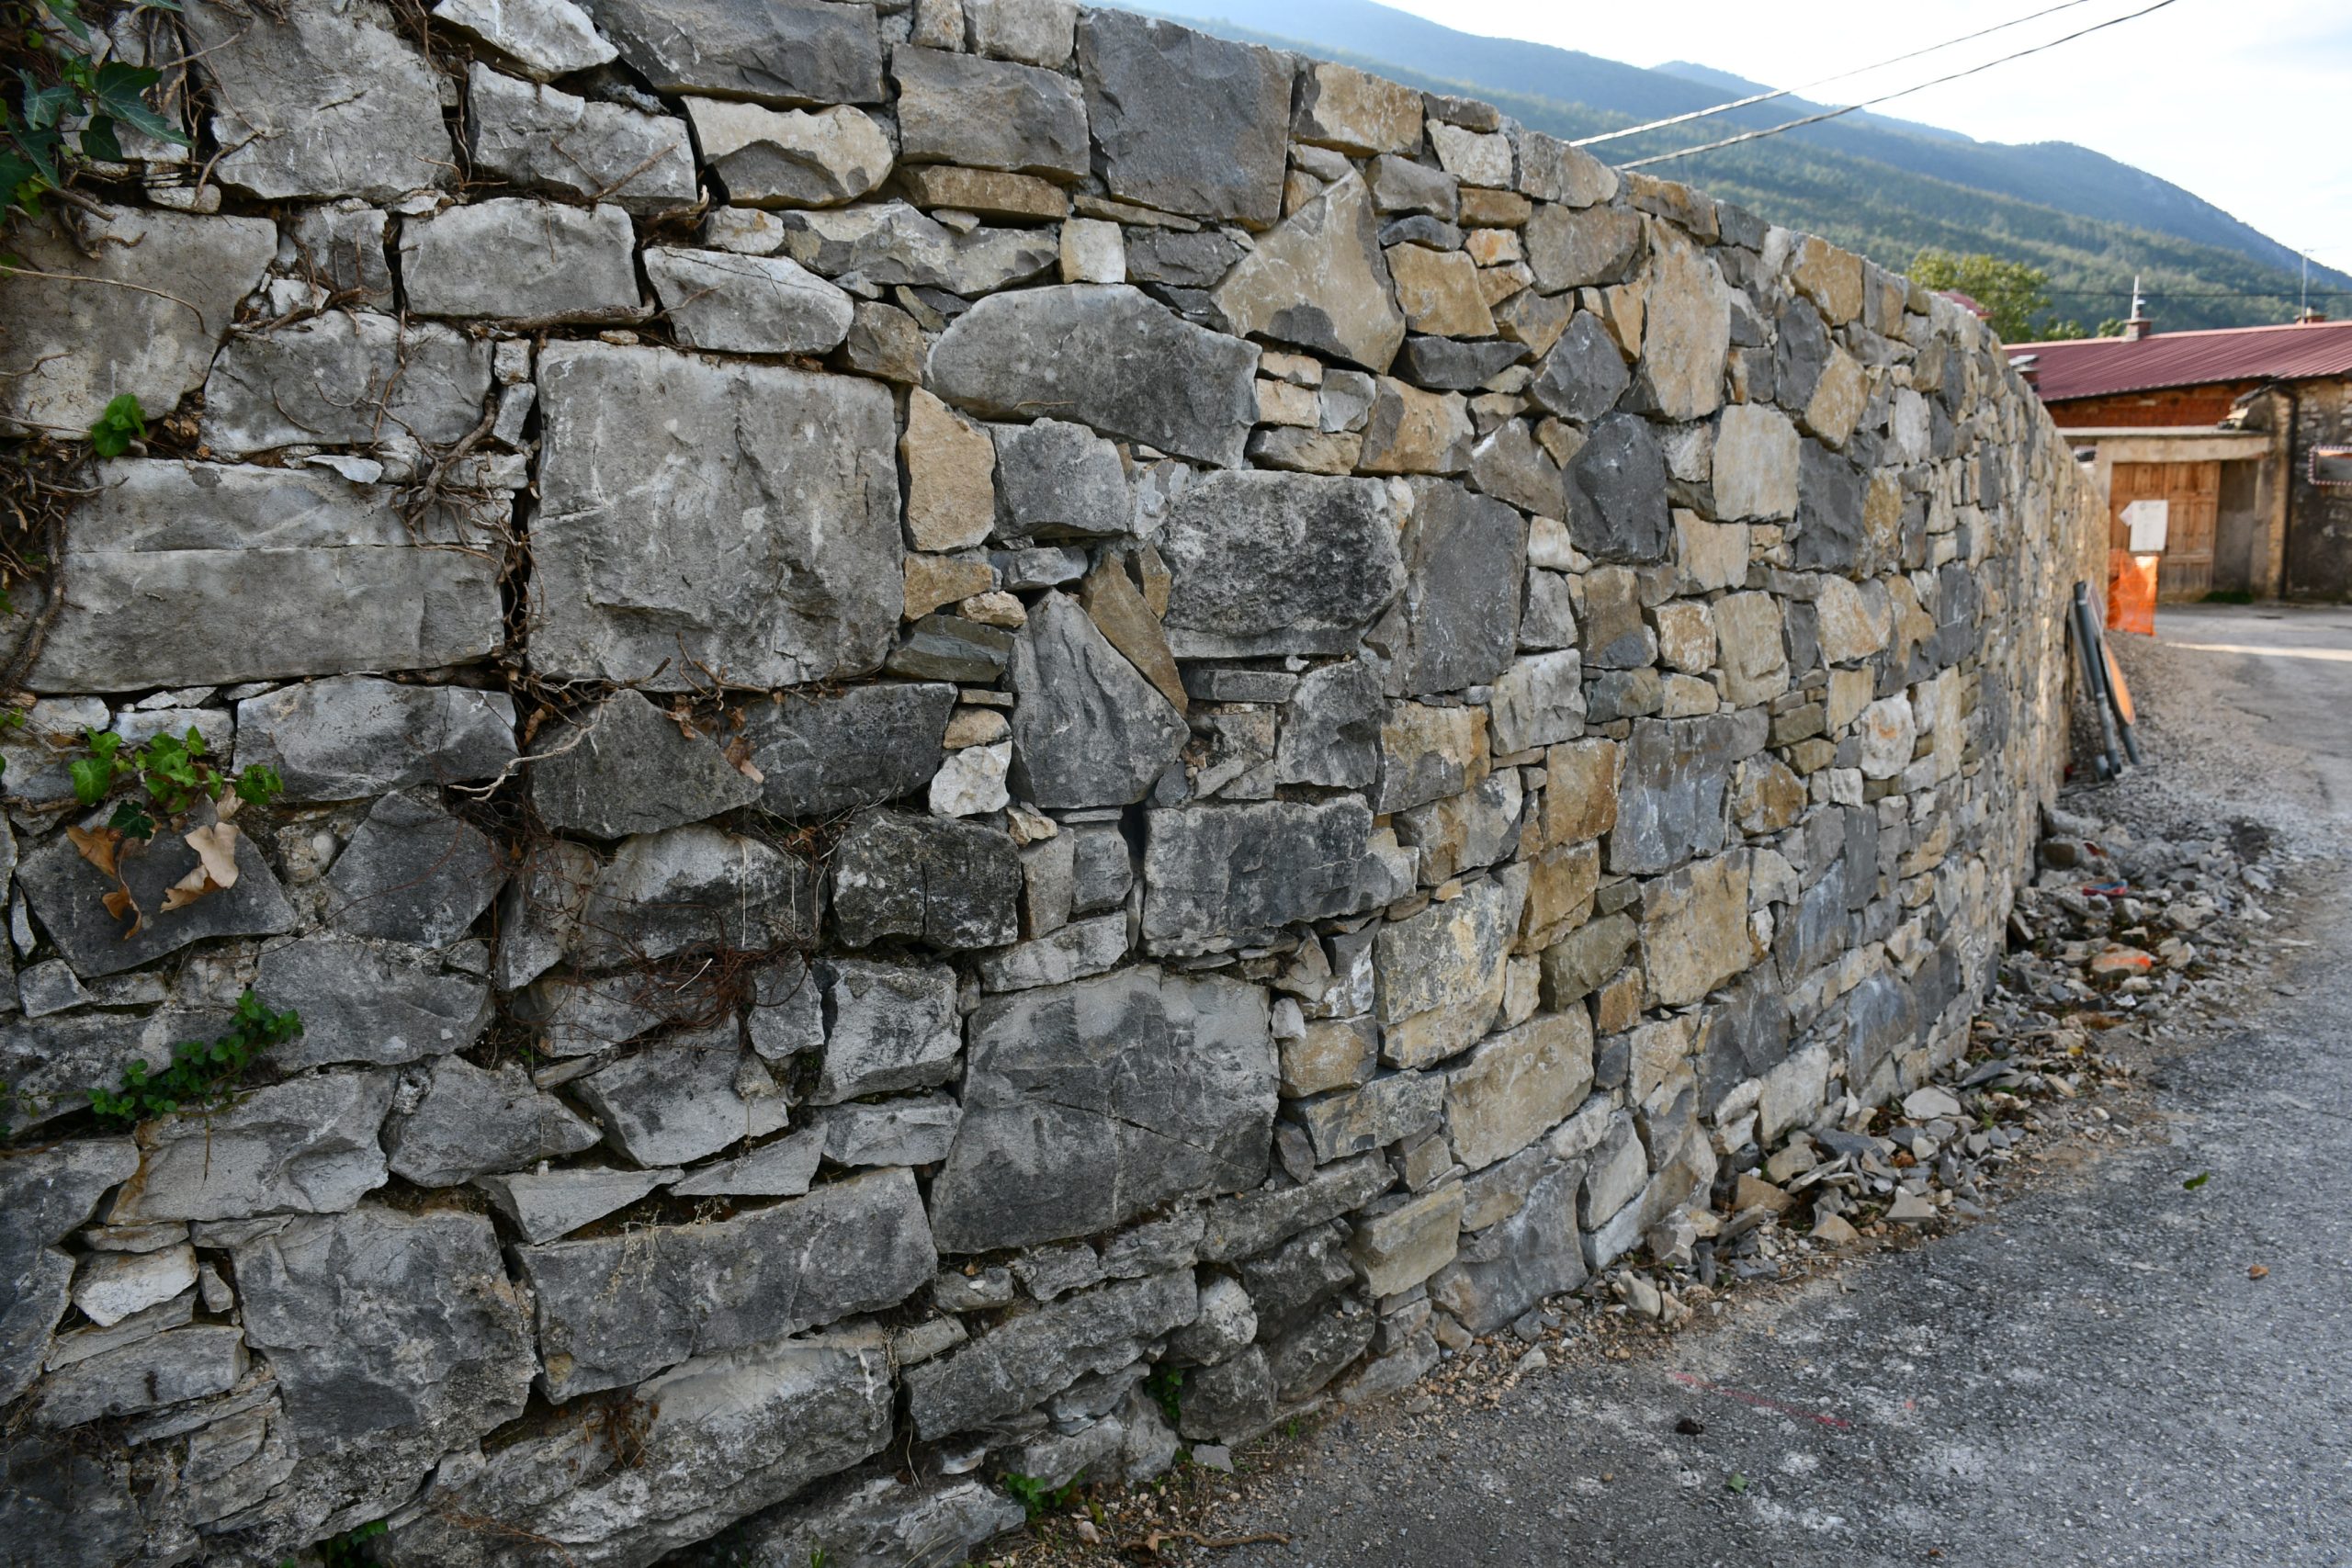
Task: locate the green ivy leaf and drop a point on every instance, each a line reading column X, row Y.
column 131, row 822
column 69, row 16
column 91, row 778
column 98, row 142
column 122, row 91
column 259, row 785
column 43, row 106
column 117, row 427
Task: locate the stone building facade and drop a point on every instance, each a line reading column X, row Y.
column 1008, row 736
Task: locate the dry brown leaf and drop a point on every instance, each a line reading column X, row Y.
column 229, row 805
column 738, row 755
column 188, row 889
column 101, row 847
column 216, row 847
column 121, row 905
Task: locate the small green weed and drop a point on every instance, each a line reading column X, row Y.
column 2199, row 1180
column 1037, row 1499
column 174, row 771
column 201, row 1073
column 1166, row 1386
column 1739, row 1483
column 117, row 427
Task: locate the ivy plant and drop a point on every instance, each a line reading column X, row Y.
column 122, row 422
column 174, row 770
column 62, row 76
column 202, row 1073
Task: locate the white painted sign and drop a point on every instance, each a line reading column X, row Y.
column 2150, row 522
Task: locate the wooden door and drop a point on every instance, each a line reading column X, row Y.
column 2194, row 491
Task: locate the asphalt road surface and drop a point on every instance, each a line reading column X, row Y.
column 2090, row 1377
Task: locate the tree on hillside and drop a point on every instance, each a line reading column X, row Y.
column 2014, row 292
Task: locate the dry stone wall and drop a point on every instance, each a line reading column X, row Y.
column 979, row 704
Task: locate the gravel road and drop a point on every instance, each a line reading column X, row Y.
column 2094, row 1376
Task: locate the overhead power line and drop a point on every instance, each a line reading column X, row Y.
column 1889, row 97
column 1822, row 81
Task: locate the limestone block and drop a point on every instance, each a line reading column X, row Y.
column 1184, row 121
column 1276, row 563
column 856, row 1245
column 414, row 872
column 890, row 243
column 1429, row 752
column 342, row 380
column 821, row 754
column 772, row 52
column 748, row 304
column 544, row 138
column 625, row 767
column 514, row 257
column 1438, row 291
column 471, row 1121
column 1579, row 248
column 1709, row 554
column 1686, row 329
column 1320, row 280
column 1694, row 929
column 1755, row 654
column 1517, row 1085
column 1453, row 630
column 768, row 157
column 1060, row 481
column 675, row 491
column 1086, row 1105
column 988, row 114
column 1355, row 111
column 1889, row 732
column 1035, row 33
column 1560, row 886
column 1441, row 972
column 1331, row 729
column 319, row 101
column 1552, row 171
column 357, row 736
column 1413, row 432
column 691, row 886
column 1390, row 1107
column 1511, row 1267
column 1216, row 878
column 998, row 1374
column 546, row 38
column 374, row 1002
column 953, row 885
column 1538, row 701
column 342, row 586
column 305, row 1147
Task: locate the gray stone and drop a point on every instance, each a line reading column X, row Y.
column 546, row 38
column 1089, row 1104
column 1227, row 1325
column 1509, row 1267
column 1341, row 106
column 412, row 872
column 1403, row 1242
column 470, row 1121
column 1453, row 628
column 538, row 915
column 1102, row 868
column 1089, row 730
column 1270, row 563
column 796, row 158
column 1312, row 1355
column 342, row 380
column 1036, row 32
column 1004, row 1372
column 682, row 1100
column 1331, row 732
column 949, row 648
column 748, row 304
column 1107, row 355
column 1445, row 363
column 1199, row 259
column 342, row 584
column 1218, row 877
column 1401, row 185
column 1320, row 281
column 1583, row 376
column 68, row 893
column 1551, row 170
column 1357, row 1121
column 887, row 1026
column 689, row 886
column 1745, row 1037
column 341, row 247
column 627, row 767
column 611, row 1311
column 1672, row 796
column 74, row 347
column 1616, row 489
column 50, row 1063
column 183, row 1364
column 1058, row 481
column 953, row 885
column 1184, row 121
column 543, row 1207
column 1233, row 1399
column 781, row 1169
column 371, row 1002
column 50, row 986
column 1247, row 1225
column 112, row 1286
column 1831, row 531
column 1539, row 700
column 544, row 138
column 784, row 51
column 391, row 1334
column 1286, row 1285
column 1517, row 1085
column 355, row 736
column 319, row 101
column 879, row 246
column 1072, row 952
column 45, row 1195
column 1441, row 972
column 1578, row 248
column 638, row 568
column 306, row 1146
column 911, row 1131
column 510, row 256
column 1511, row 466
column 876, row 1522
column 823, row 754
column 988, row 114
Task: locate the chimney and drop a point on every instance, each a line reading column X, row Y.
column 2308, row 317
column 2138, row 327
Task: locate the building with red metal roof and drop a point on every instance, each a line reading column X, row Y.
column 2241, row 437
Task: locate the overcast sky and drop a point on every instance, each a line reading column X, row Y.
column 2248, row 103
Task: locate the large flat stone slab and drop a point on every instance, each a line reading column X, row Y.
column 355, row 736
column 1320, row 281
column 1104, row 355
column 193, row 574
column 1089, row 729
column 1184, row 121
column 344, row 379
column 773, row 51
column 745, row 516
column 1086, row 1105
column 1218, row 877
column 74, row 347
column 1266, row 563
column 67, row 892
column 819, row 754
